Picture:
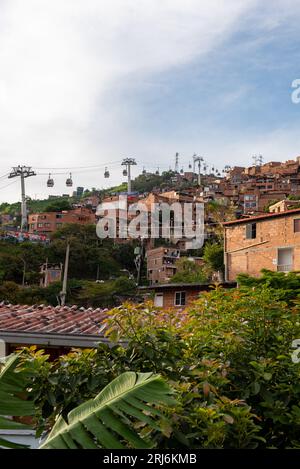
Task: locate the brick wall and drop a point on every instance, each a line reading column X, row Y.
column 169, row 297
column 252, row 255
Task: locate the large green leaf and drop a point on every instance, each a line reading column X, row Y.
column 13, row 384
column 108, row 420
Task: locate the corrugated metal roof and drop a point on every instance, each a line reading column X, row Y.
column 51, row 319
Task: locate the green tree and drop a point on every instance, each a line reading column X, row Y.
column 58, row 206
column 213, row 255
column 188, row 272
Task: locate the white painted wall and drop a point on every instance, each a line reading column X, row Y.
column 24, row 437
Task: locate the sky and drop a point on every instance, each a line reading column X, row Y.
column 86, row 83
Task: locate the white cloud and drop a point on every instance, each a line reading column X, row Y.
column 62, row 63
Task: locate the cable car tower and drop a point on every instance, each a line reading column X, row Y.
column 128, row 162
column 23, row 172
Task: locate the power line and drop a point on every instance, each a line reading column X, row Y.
column 81, row 167
column 10, row 184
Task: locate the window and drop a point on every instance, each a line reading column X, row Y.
column 297, row 225
column 40, row 225
column 180, row 298
column 251, row 231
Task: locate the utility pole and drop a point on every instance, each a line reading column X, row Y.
column 24, row 271
column 139, row 260
column 23, row 172
column 63, row 293
column 176, row 162
column 198, row 159
column 257, row 160
column 128, row 162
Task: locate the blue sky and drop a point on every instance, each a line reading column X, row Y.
column 88, row 83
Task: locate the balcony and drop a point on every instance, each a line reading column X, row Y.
column 284, row 268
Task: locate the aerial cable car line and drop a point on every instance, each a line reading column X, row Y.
column 4, row 176
column 80, row 167
column 9, row 184
column 85, row 170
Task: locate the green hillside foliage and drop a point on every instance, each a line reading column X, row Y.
column 90, row 259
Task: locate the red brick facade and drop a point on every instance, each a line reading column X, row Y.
column 270, row 241
column 180, row 295
column 161, row 264
column 49, row 222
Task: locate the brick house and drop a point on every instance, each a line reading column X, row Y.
column 49, row 222
column 179, row 295
column 284, row 205
column 270, row 241
column 161, row 264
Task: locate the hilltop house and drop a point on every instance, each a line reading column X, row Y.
column 270, row 241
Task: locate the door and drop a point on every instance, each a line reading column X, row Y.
column 159, row 300
column 285, row 260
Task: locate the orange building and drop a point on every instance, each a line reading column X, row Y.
column 49, row 222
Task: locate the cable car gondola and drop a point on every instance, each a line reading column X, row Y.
column 106, row 173
column 125, row 172
column 144, row 171
column 69, row 182
column 157, row 172
column 50, row 182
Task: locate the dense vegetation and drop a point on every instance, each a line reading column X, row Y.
column 227, row 356
column 90, row 259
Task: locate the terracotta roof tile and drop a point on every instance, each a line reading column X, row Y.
column 50, row 319
column 250, row 219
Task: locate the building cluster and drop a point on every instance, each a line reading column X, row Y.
column 257, row 209
column 252, row 190
column 252, row 206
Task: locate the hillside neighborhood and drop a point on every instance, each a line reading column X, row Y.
column 251, row 223
column 149, row 232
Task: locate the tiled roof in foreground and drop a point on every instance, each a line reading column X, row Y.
column 51, row 319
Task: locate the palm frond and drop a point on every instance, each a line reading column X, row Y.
column 108, row 420
column 13, row 384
